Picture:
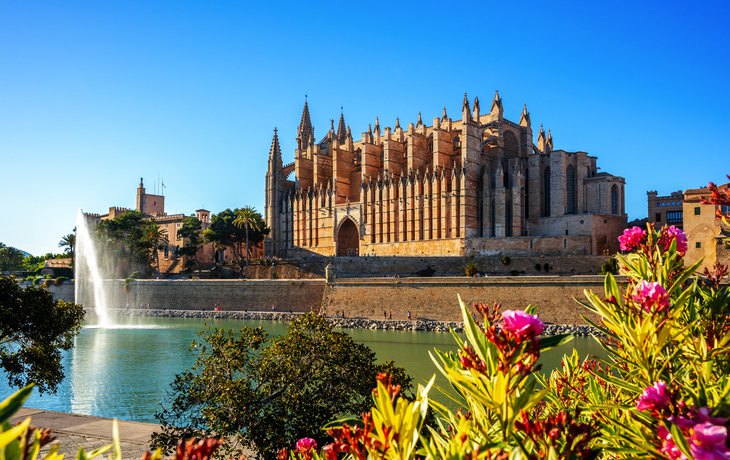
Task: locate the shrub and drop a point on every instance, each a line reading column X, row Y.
column 60, row 280
column 546, row 267
column 538, row 267
column 136, row 275
column 267, row 394
column 48, row 282
column 514, row 272
column 506, row 260
column 610, row 266
column 471, row 269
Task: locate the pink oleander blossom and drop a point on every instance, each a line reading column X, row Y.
column 703, row 415
column 522, row 324
column 631, row 238
column 654, row 398
column 707, row 442
column 668, row 445
column 306, row 444
column 647, row 294
column 673, row 233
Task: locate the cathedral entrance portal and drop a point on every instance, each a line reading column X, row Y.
column 348, row 239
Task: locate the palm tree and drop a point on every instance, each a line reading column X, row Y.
column 10, row 254
column 248, row 217
column 157, row 236
column 69, row 242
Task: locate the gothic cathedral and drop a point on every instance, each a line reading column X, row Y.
column 479, row 185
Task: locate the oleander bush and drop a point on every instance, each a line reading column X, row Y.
column 662, row 393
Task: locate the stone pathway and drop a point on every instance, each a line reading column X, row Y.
column 74, row 431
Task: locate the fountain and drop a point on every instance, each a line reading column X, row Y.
column 87, row 273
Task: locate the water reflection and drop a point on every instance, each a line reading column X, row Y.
column 124, row 371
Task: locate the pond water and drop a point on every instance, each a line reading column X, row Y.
column 124, row 371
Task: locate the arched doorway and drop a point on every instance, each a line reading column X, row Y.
column 348, row 239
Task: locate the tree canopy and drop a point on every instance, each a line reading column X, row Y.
column 267, row 397
column 225, row 234
column 34, row 330
column 190, row 232
column 125, row 239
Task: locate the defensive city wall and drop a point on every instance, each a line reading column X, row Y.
column 425, row 298
column 364, row 267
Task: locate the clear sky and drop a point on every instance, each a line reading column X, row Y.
column 95, row 95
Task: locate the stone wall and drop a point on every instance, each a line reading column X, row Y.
column 230, row 295
column 63, row 292
column 436, row 298
column 353, row 267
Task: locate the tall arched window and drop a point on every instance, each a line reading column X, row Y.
column 507, row 218
column 493, row 230
column 506, row 176
column 570, row 189
column 457, row 142
column 614, row 199
column 430, row 146
column 546, row 185
column 527, row 193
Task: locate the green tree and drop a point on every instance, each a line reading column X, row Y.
column 191, row 233
column 124, row 238
column 248, row 218
column 10, row 256
column 157, row 236
column 267, row 397
column 224, row 233
column 34, row 329
column 69, row 243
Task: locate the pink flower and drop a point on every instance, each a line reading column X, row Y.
column 707, row 442
column 668, row 446
column 703, row 415
column 631, row 238
column 522, row 324
column 673, row 233
column 306, row 444
column 654, row 397
column 647, row 294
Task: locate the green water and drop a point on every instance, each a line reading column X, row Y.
column 124, row 371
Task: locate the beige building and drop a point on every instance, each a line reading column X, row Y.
column 154, row 207
column 705, row 231
column 665, row 209
column 479, row 185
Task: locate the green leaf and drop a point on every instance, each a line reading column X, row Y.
column 679, row 440
column 351, row 421
column 12, row 404
column 553, row 341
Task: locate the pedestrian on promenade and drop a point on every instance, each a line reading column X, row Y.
column 148, row 306
column 385, row 315
column 216, row 307
column 273, row 308
column 409, row 315
column 391, row 314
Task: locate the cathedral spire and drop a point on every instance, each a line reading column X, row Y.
column 476, row 108
column 275, row 162
column 305, row 126
column 465, row 110
column 525, row 117
column 497, row 100
column 444, row 117
column 377, row 125
column 341, row 129
column 397, row 123
column 419, row 122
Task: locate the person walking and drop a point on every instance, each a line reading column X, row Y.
column 409, row 315
column 273, row 308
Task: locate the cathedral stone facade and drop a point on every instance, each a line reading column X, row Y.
column 479, row 185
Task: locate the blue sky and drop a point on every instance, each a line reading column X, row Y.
column 95, row 95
